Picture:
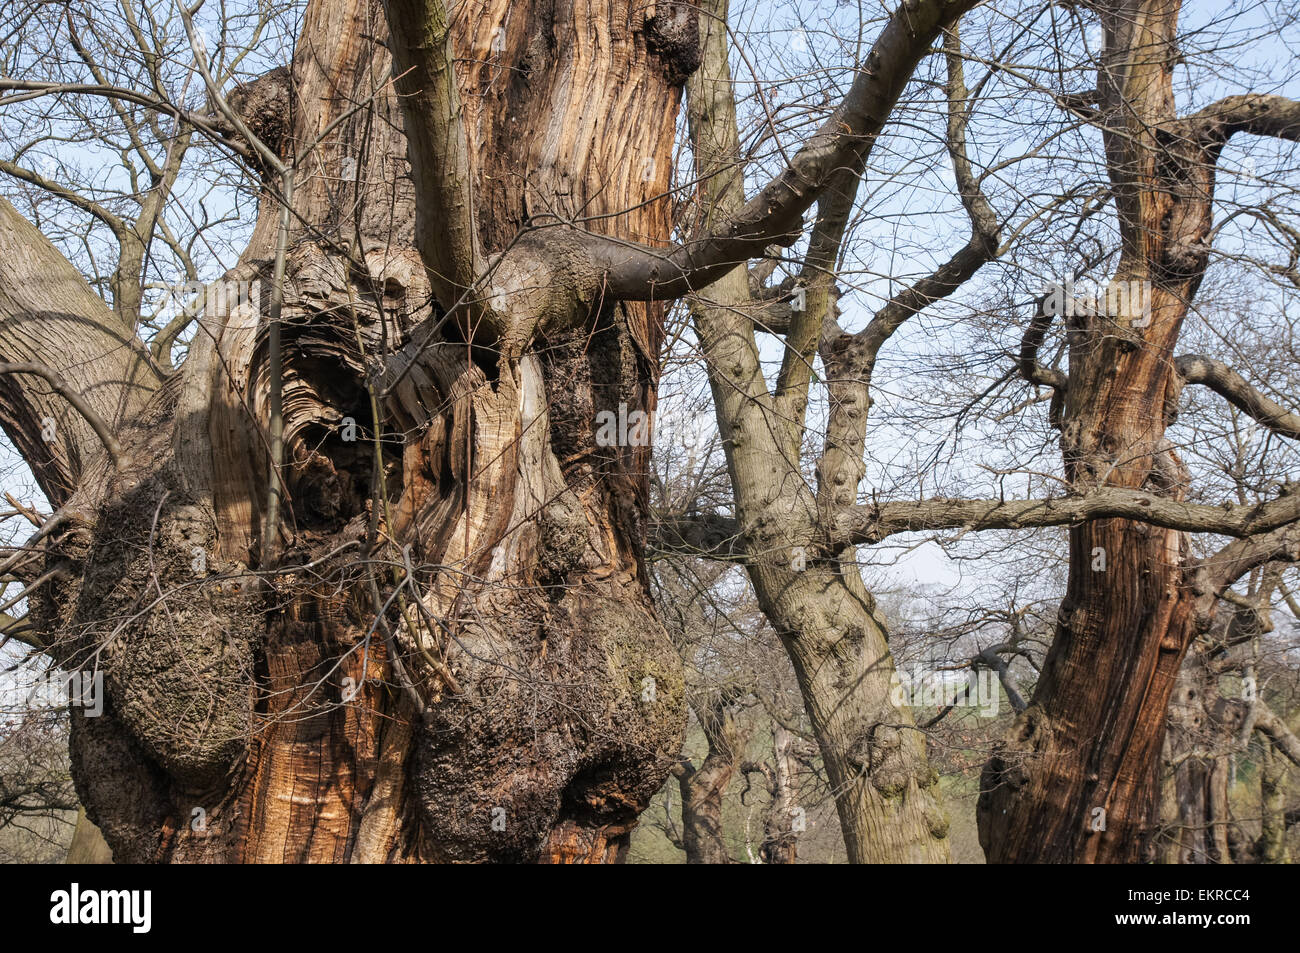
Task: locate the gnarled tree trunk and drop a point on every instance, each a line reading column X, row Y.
column 886, row 792
column 1272, row 845
column 452, row 654
column 783, row 821
column 1078, row 777
column 1201, row 732
column 702, row 787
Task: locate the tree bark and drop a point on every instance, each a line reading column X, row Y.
column 1077, row 778
column 454, row 656
column 1199, row 745
column 886, row 792
column 1272, row 846
column 50, row 316
column 781, row 826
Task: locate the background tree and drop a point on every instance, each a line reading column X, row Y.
column 1091, row 736
column 1154, row 169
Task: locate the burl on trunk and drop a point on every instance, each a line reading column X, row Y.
column 453, row 654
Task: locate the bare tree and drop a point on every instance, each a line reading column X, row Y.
column 1125, row 624
column 1093, row 732
column 37, row 804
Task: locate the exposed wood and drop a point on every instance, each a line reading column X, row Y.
column 519, row 611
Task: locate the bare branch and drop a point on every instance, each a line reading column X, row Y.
column 981, row 247
column 1254, row 113
column 28, row 590
column 114, row 222
column 1030, row 369
column 850, row 358
column 1243, row 555
column 79, row 403
column 27, row 89
column 20, row 630
column 1269, row 724
column 703, row 534
column 263, row 151
column 275, row 364
column 721, row 537
column 775, row 214
column 992, row 658
column 872, row 523
column 1232, row 387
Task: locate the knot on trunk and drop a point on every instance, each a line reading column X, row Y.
column 882, row 756
column 262, row 105
column 1009, row 772
column 672, row 33
column 170, row 633
column 572, row 714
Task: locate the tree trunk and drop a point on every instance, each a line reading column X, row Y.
column 1272, row 847
column 50, row 316
column 455, row 656
column 88, row 845
column 1199, row 743
column 1077, row 779
column 702, row 788
column 886, row 792
column 783, row 825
